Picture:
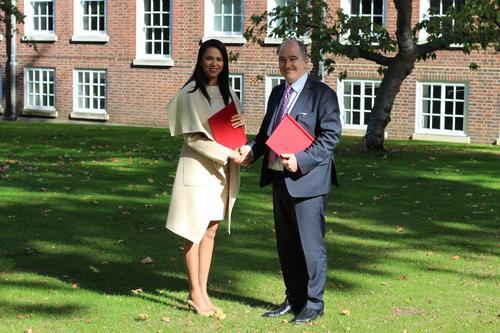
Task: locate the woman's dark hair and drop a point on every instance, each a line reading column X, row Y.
column 199, row 76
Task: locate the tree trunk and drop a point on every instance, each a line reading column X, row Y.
column 398, row 69
column 380, row 115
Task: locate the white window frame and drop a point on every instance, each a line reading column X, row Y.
column 236, row 89
column 425, row 5
column 33, row 108
column 38, row 35
column 362, row 96
column 419, row 128
column 271, row 4
column 143, row 59
column 227, row 38
column 81, row 35
column 346, row 5
column 271, row 82
column 91, row 112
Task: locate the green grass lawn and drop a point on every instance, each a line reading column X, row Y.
column 412, row 238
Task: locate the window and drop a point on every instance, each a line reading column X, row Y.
column 40, row 20
column 89, row 94
column 437, row 8
column 39, row 90
column 271, row 82
column 224, row 20
column 441, row 108
column 357, row 98
column 90, row 21
column 154, row 33
column 373, row 9
column 271, row 5
column 236, row 82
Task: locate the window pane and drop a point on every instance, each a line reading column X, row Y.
column 459, row 108
column 426, row 91
column 356, row 103
column 435, row 122
column 227, row 24
column 449, row 92
column 237, row 24
column 347, row 88
column 378, row 6
column 436, row 91
column 460, row 93
column 355, row 7
column 426, row 106
column 367, row 6
column 347, row 102
column 356, row 118
column 448, row 107
column 217, row 23
column 357, row 89
column 426, row 122
column 448, row 123
column 368, row 103
column 348, row 118
column 459, row 124
column 436, row 107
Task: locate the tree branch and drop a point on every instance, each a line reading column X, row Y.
column 430, row 47
column 375, row 57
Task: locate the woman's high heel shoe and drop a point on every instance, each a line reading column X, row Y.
column 192, row 306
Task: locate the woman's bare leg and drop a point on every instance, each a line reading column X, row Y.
column 191, row 256
column 205, row 259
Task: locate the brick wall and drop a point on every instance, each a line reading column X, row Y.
column 139, row 95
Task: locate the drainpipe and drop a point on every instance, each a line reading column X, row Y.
column 11, row 63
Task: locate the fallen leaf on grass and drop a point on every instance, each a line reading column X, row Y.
column 147, row 260
column 455, row 257
column 74, row 285
column 399, row 229
column 142, row 317
column 220, row 315
column 403, row 277
column 29, row 330
column 345, row 312
column 165, row 319
column 136, row 291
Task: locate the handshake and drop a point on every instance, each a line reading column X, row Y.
column 242, row 156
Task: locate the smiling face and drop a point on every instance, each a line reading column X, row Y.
column 212, row 65
column 292, row 64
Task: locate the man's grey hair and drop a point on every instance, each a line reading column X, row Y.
column 302, row 46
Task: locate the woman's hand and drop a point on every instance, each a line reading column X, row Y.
column 236, row 157
column 238, row 120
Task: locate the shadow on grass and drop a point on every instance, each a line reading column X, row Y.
column 92, row 202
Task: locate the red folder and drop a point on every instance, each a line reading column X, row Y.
column 289, row 137
column 222, row 130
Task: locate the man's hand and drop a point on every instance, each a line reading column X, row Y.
column 246, row 153
column 289, row 162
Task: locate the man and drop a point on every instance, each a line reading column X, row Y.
column 301, row 181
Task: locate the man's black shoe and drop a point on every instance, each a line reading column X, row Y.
column 284, row 308
column 306, row 315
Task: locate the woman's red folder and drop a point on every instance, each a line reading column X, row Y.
column 222, row 130
column 289, row 137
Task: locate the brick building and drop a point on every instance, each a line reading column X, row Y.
column 120, row 61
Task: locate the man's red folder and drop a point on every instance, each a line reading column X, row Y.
column 289, row 137
column 222, row 130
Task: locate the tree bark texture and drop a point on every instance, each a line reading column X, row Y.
column 397, row 70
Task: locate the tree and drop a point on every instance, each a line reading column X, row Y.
column 471, row 25
column 9, row 11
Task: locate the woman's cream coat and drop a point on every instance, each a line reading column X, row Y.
column 200, row 173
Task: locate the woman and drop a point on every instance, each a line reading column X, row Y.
column 207, row 176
